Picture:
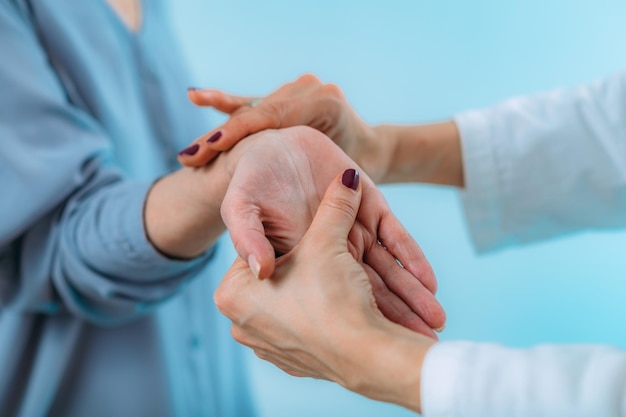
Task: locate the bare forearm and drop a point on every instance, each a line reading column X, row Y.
column 182, row 211
column 395, row 357
column 428, row 153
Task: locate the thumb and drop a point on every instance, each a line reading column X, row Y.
column 243, row 221
column 337, row 211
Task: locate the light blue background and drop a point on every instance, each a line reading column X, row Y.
column 416, row 61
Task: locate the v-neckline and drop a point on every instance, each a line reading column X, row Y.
column 119, row 22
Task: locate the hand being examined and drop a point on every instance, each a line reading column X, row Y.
column 278, row 179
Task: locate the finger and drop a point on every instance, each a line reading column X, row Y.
column 285, row 107
column 206, row 147
column 219, row 100
column 243, row 221
column 393, row 308
column 409, row 289
column 337, row 211
column 403, row 247
column 196, row 155
column 243, row 125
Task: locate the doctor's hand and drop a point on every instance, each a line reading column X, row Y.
column 306, row 101
column 278, row 179
column 317, row 316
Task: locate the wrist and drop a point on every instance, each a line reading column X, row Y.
column 376, row 157
column 426, row 153
column 388, row 359
column 182, row 210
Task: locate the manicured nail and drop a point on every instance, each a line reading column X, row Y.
column 350, row 178
column 192, row 89
column 440, row 329
column 190, row 151
column 215, row 137
column 254, row 265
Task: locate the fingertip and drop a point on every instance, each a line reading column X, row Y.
column 261, row 268
column 191, row 150
column 201, row 157
column 201, row 97
column 192, row 95
column 350, row 179
column 220, row 141
column 187, row 160
column 266, row 271
column 214, row 137
column 255, row 265
column 434, row 316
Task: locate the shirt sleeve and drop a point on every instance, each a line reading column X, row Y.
column 464, row 379
column 71, row 226
column 544, row 165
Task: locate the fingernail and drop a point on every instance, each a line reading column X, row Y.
column 350, row 178
column 254, row 265
column 440, row 329
column 192, row 89
column 192, row 150
column 215, row 137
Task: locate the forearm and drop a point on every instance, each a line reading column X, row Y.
column 427, row 153
column 394, row 356
column 182, row 210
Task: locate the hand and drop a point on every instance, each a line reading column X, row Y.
column 306, row 101
column 277, row 181
column 317, row 316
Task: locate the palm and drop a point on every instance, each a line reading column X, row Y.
column 279, row 179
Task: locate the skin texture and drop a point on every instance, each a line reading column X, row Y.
column 388, row 153
column 266, row 190
column 320, row 319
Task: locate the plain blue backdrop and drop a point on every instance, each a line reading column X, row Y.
column 417, row 61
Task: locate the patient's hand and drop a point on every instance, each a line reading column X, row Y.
column 278, row 180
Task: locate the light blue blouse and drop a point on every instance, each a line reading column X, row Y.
column 93, row 321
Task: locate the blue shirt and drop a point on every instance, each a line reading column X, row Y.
column 93, row 321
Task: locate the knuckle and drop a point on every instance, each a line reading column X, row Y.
column 241, row 123
column 343, row 206
column 232, row 290
column 266, row 356
column 274, row 113
column 332, row 90
column 223, row 299
column 240, row 335
column 293, row 372
column 308, row 79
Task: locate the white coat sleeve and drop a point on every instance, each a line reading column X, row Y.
column 547, row 164
column 464, row 379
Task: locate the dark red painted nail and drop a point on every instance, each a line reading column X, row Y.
column 190, row 151
column 215, row 137
column 350, row 178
